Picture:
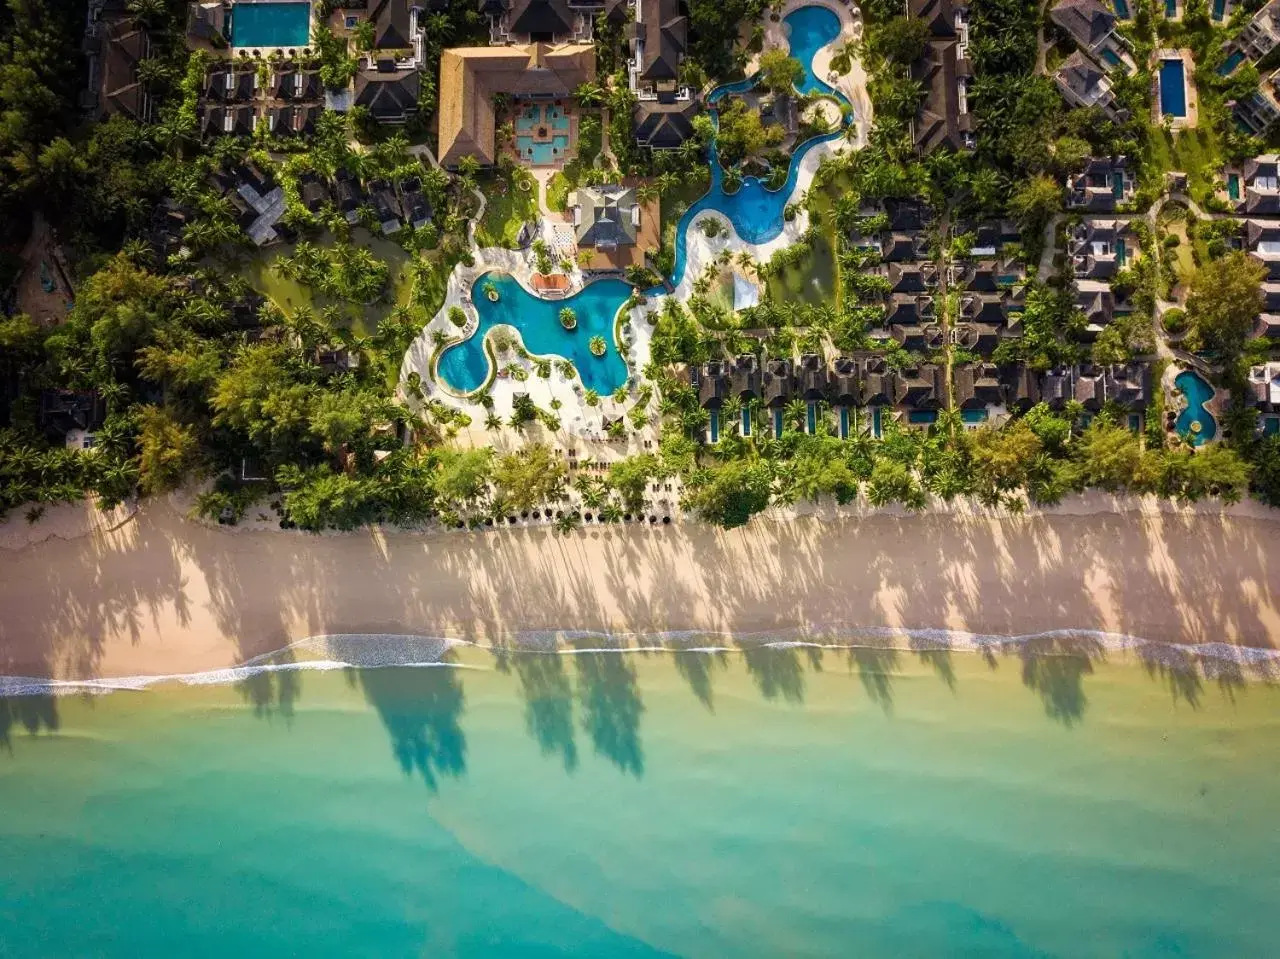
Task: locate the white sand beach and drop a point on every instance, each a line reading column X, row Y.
column 160, row 594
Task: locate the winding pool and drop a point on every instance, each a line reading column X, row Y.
column 464, row 367
column 1198, row 392
column 755, row 211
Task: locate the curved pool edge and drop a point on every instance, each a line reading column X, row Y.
column 492, row 372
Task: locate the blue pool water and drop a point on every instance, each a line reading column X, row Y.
column 1111, row 59
column 541, row 152
column 533, row 124
column 1173, row 88
column 1198, row 392
column 811, row 415
column 777, row 421
column 922, row 417
column 875, row 422
column 809, row 29
column 1231, row 63
column 1122, row 253
column 755, row 211
column 715, row 426
column 464, row 367
column 1233, row 186
column 746, row 421
column 1117, row 185
column 1170, row 8
column 1219, row 9
column 271, row 24
column 1122, row 9
column 974, row 416
column 844, row 422
column 1271, row 426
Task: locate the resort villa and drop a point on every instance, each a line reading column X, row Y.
column 665, row 107
column 1102, row 186
column 1084, row 84
column 1093, row 28
column 542, row 52
column 611, row 223
column 530, row 74
column 944, row 70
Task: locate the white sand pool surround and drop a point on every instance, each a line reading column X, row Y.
column 575, row 415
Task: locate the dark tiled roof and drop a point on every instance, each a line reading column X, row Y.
column 389, row 94
column 666, row 37
column 664, row 126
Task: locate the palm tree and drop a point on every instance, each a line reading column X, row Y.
column 647, row 192
column 146, row 12
column 795, row 412
column 493, row 422
column 589, row 94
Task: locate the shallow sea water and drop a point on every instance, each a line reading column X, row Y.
column 759, row 802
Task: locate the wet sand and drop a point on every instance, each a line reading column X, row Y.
column 162, row 595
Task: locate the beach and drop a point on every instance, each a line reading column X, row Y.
column 160, row 594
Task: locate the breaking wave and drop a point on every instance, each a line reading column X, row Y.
column 327, row 652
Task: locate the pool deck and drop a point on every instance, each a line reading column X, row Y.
column 1192, row 119
column 571, row 114
column 852, row 84
column 580, row 421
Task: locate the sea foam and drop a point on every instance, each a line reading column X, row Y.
column 333, row 651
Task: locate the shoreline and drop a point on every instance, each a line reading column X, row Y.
column 162, row 595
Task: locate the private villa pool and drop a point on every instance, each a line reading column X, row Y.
column 465, row 367
column 1195, row 423
column 1173, row 87
column 542, row 133
column 755, row 211
column 270, row 24
column 1122, row 9
column 1233, row 61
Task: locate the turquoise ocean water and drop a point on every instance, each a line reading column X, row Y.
column 756, row 802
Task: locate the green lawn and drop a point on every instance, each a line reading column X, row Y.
column 815, row 279
column 507, row 208
column 567, row 180
column 1196, row 153
column 290, row 295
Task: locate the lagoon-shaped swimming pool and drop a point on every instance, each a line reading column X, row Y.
column 1198, row 392
column 756, row 212
column 464, row 367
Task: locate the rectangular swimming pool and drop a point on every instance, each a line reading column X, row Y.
column 1231, row 63
column 1112, row 60
column 1170, row 8
column 1173, row 88
column 1122, row 9
column 271, row 24
column 1233, row 186
column 1219, row 9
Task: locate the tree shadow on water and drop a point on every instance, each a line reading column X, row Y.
column 777, row 670
column 1055, row 668
column 548, row 704
column 421, row 707
column 609, row 696
column 273, row 692
column 33, row 713
column 876, row 667
column 696, row 668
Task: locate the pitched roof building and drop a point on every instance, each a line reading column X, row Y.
column 124, row 46
column 470, row 77
column 390, row 93
column 943, row 118
column 665, row 109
